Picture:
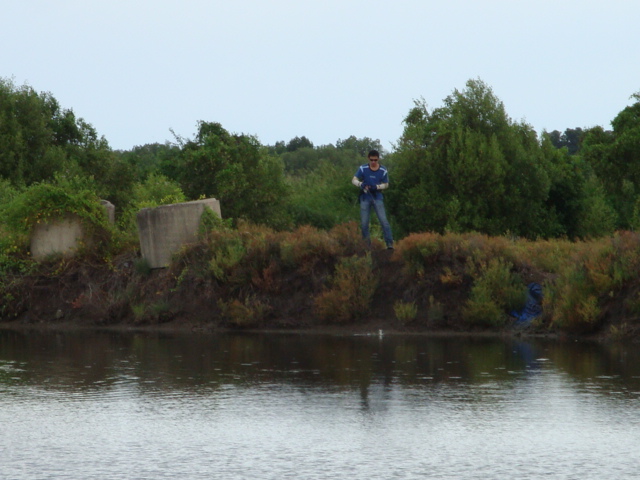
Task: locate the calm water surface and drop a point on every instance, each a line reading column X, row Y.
column 79, row 405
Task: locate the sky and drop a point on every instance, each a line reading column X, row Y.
column 138, row 70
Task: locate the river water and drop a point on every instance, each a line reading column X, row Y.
column 105, row 405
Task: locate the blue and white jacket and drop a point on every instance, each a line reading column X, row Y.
column 367, row 177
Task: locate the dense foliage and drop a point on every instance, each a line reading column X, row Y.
column 465, row 166
column 459, row 173
column 468, row 167
column 38, row 139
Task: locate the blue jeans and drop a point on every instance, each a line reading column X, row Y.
column 367, row 202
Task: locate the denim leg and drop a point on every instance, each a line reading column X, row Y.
column 365, row 213
column 378, row 205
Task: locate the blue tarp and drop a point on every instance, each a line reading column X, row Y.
column 533, row 306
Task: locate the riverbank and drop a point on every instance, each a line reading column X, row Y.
column 311, row 280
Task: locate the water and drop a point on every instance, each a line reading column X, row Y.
column 274, row 406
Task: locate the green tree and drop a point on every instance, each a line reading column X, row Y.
column 154, row 190
column 571, row 139
column 468, row 166
column 360, row 146
column 153, row 158
column 39, row 139
column 236, row 170
column 32, row 131
column 298, row 143
column 576, row 200
column 323, row 197
column 615, row 158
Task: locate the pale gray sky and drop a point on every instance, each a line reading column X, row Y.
column 323, row 69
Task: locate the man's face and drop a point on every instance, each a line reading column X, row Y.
column 373, row 161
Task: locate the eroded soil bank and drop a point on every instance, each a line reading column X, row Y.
column 186, row 296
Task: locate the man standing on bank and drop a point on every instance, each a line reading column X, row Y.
column 372, row 178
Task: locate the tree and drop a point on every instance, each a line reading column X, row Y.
column 323, row 197
column 39, row 139
column 236, row 170
column 360, row 146
column 468, row 166
column 28, row 149
column 151, row 159
column 615, row 159
column 571, row 139
column 576, row 199
column 298, row 143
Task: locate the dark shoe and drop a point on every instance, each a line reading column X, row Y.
column 389, row 247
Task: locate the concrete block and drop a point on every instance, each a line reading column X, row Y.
column 110, row 209
column 165, row 229
column 62, row 235
column 59, row 236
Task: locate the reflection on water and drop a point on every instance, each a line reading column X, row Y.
column 133, row 405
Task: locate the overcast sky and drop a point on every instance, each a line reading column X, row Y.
column 325, row 69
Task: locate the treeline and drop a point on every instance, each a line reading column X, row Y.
column 465, row 166
column 468, row 167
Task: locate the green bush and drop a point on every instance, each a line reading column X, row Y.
column 44, row 202
column 352, row 288
column 244, row 314
column 227, row 251
column 13, row 258
column 156, row 190
column 406, row 312
column 495, row 291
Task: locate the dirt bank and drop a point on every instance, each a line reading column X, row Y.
column 269, row 295
column 85, row 293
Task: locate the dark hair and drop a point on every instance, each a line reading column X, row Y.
column 373, row 153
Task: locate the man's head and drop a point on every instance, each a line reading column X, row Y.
column 374, row 160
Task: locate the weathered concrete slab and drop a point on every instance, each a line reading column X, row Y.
column 164, row 230
column 110, row 209
column 62, row 236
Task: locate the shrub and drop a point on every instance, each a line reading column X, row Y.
column 142, row 266
column 322, row 198
column 418, row 251
column 248, row 313
column 227, row 251
column 211, row 222
column 43, row 201
column 64, row 198
column 352, row 288
column 406, row 312
column 348, row 237
column 482, row 309
column 435, row 312
column 496, row 290
column 573, row 297
column 13, row 257
column 156, row 190
column 306, row 246
column 423, row 249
